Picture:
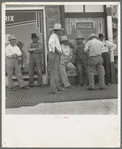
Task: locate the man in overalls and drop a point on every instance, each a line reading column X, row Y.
column 54, row 58
column 81, row 62
column 95, row 61
column 35, row 50
column 12, row 54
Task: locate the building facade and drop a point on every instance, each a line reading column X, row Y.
column 22, row 20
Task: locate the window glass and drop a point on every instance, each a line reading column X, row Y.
column 73, row 8
column 94, row 8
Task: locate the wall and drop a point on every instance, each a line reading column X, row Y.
column 52, row 13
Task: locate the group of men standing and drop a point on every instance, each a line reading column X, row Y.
column 90, row 58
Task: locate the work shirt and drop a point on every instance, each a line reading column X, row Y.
column 10, row 50
column 81, row 56
column 54, row 43
column 106, row 45
column 66, row 54
column 35, row 47
column 93, row 47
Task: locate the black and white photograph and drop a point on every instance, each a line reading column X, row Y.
column 61, row 59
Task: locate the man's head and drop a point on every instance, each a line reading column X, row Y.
column 64, row 40
column 20, row 44
column 79, row 39
column 12, row 40
column 93, row 36
column 57, row 29
column 101, row 37
column 34, row 37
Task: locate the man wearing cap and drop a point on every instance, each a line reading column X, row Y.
column 81, row 62
column 106, row 57
column 65, row 63
column 54, row 58
column 95, row 62
column 35, row 50
column 12, row 53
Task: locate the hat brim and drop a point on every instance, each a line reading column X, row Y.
column 58, row 29
column 79, row 38
column 12, row 39
column 64, row 40
column 35, row 37
column 95, row 36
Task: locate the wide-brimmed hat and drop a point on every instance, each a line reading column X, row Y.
column 101, row 36
column 64, row 38
column 79, row 37
column 11, row 37
column 57, row 26
column 92, row 35
column 33, row 35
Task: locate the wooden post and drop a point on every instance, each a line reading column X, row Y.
column 110, row 38
column 62, row 17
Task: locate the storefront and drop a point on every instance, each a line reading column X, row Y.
column 22, row 20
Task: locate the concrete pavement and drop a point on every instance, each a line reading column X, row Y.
column 77, row 101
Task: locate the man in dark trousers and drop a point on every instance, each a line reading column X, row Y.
column 54, row 58
column 95, row 62
column 81, row 63
column 106, row 57
column 35, row 50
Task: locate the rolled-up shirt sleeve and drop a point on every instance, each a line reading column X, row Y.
column 86, row 47
column 111, row 45
column 18, row 52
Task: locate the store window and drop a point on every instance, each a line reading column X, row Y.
column 73, row 8
column 94, row 8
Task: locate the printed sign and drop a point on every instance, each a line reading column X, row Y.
column 84, row 25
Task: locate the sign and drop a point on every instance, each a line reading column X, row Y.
column 84, row 25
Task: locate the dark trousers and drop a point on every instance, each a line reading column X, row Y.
column 35, row 61
column 54, row 60
column 95, row 63
column 82, row 71
column 106, row 64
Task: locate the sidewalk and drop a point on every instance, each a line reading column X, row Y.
column 71, row 101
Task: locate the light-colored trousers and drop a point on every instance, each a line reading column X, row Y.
column 63, row 69
column 95, row 63
column 13, row 67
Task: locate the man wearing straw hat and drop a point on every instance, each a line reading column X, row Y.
column 54, row 58
column 95, row 61
column 35, row 50
column 12, row 53
column 65, row 63
column 81, row 62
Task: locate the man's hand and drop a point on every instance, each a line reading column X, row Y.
column 14, row 55
column 59, row 52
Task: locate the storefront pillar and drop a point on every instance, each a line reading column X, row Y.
column 110, row 38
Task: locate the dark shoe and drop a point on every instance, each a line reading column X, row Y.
column 55, row 92
column 12, row 89
column 109, row 84
column 84, row 85
column 60, row 89
column 91, row 89
column 31, row 85
column 27, row 88
column 102, row 88
column 70, row 87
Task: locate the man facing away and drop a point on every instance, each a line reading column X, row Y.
column 35, row 50
column 65, row 63
column 54, row 58
column 95, row 61
column 106, row 57
column 12, row 53
column 81, row 62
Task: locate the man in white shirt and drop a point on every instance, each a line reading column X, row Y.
column 54, row 58
column 12, row 53
column 106, row 57
column 65, row 63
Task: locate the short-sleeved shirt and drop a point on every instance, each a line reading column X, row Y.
column 93, row 47
column 81, row 56
column 54, row 42
column 106, row 45
column 10, row 50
